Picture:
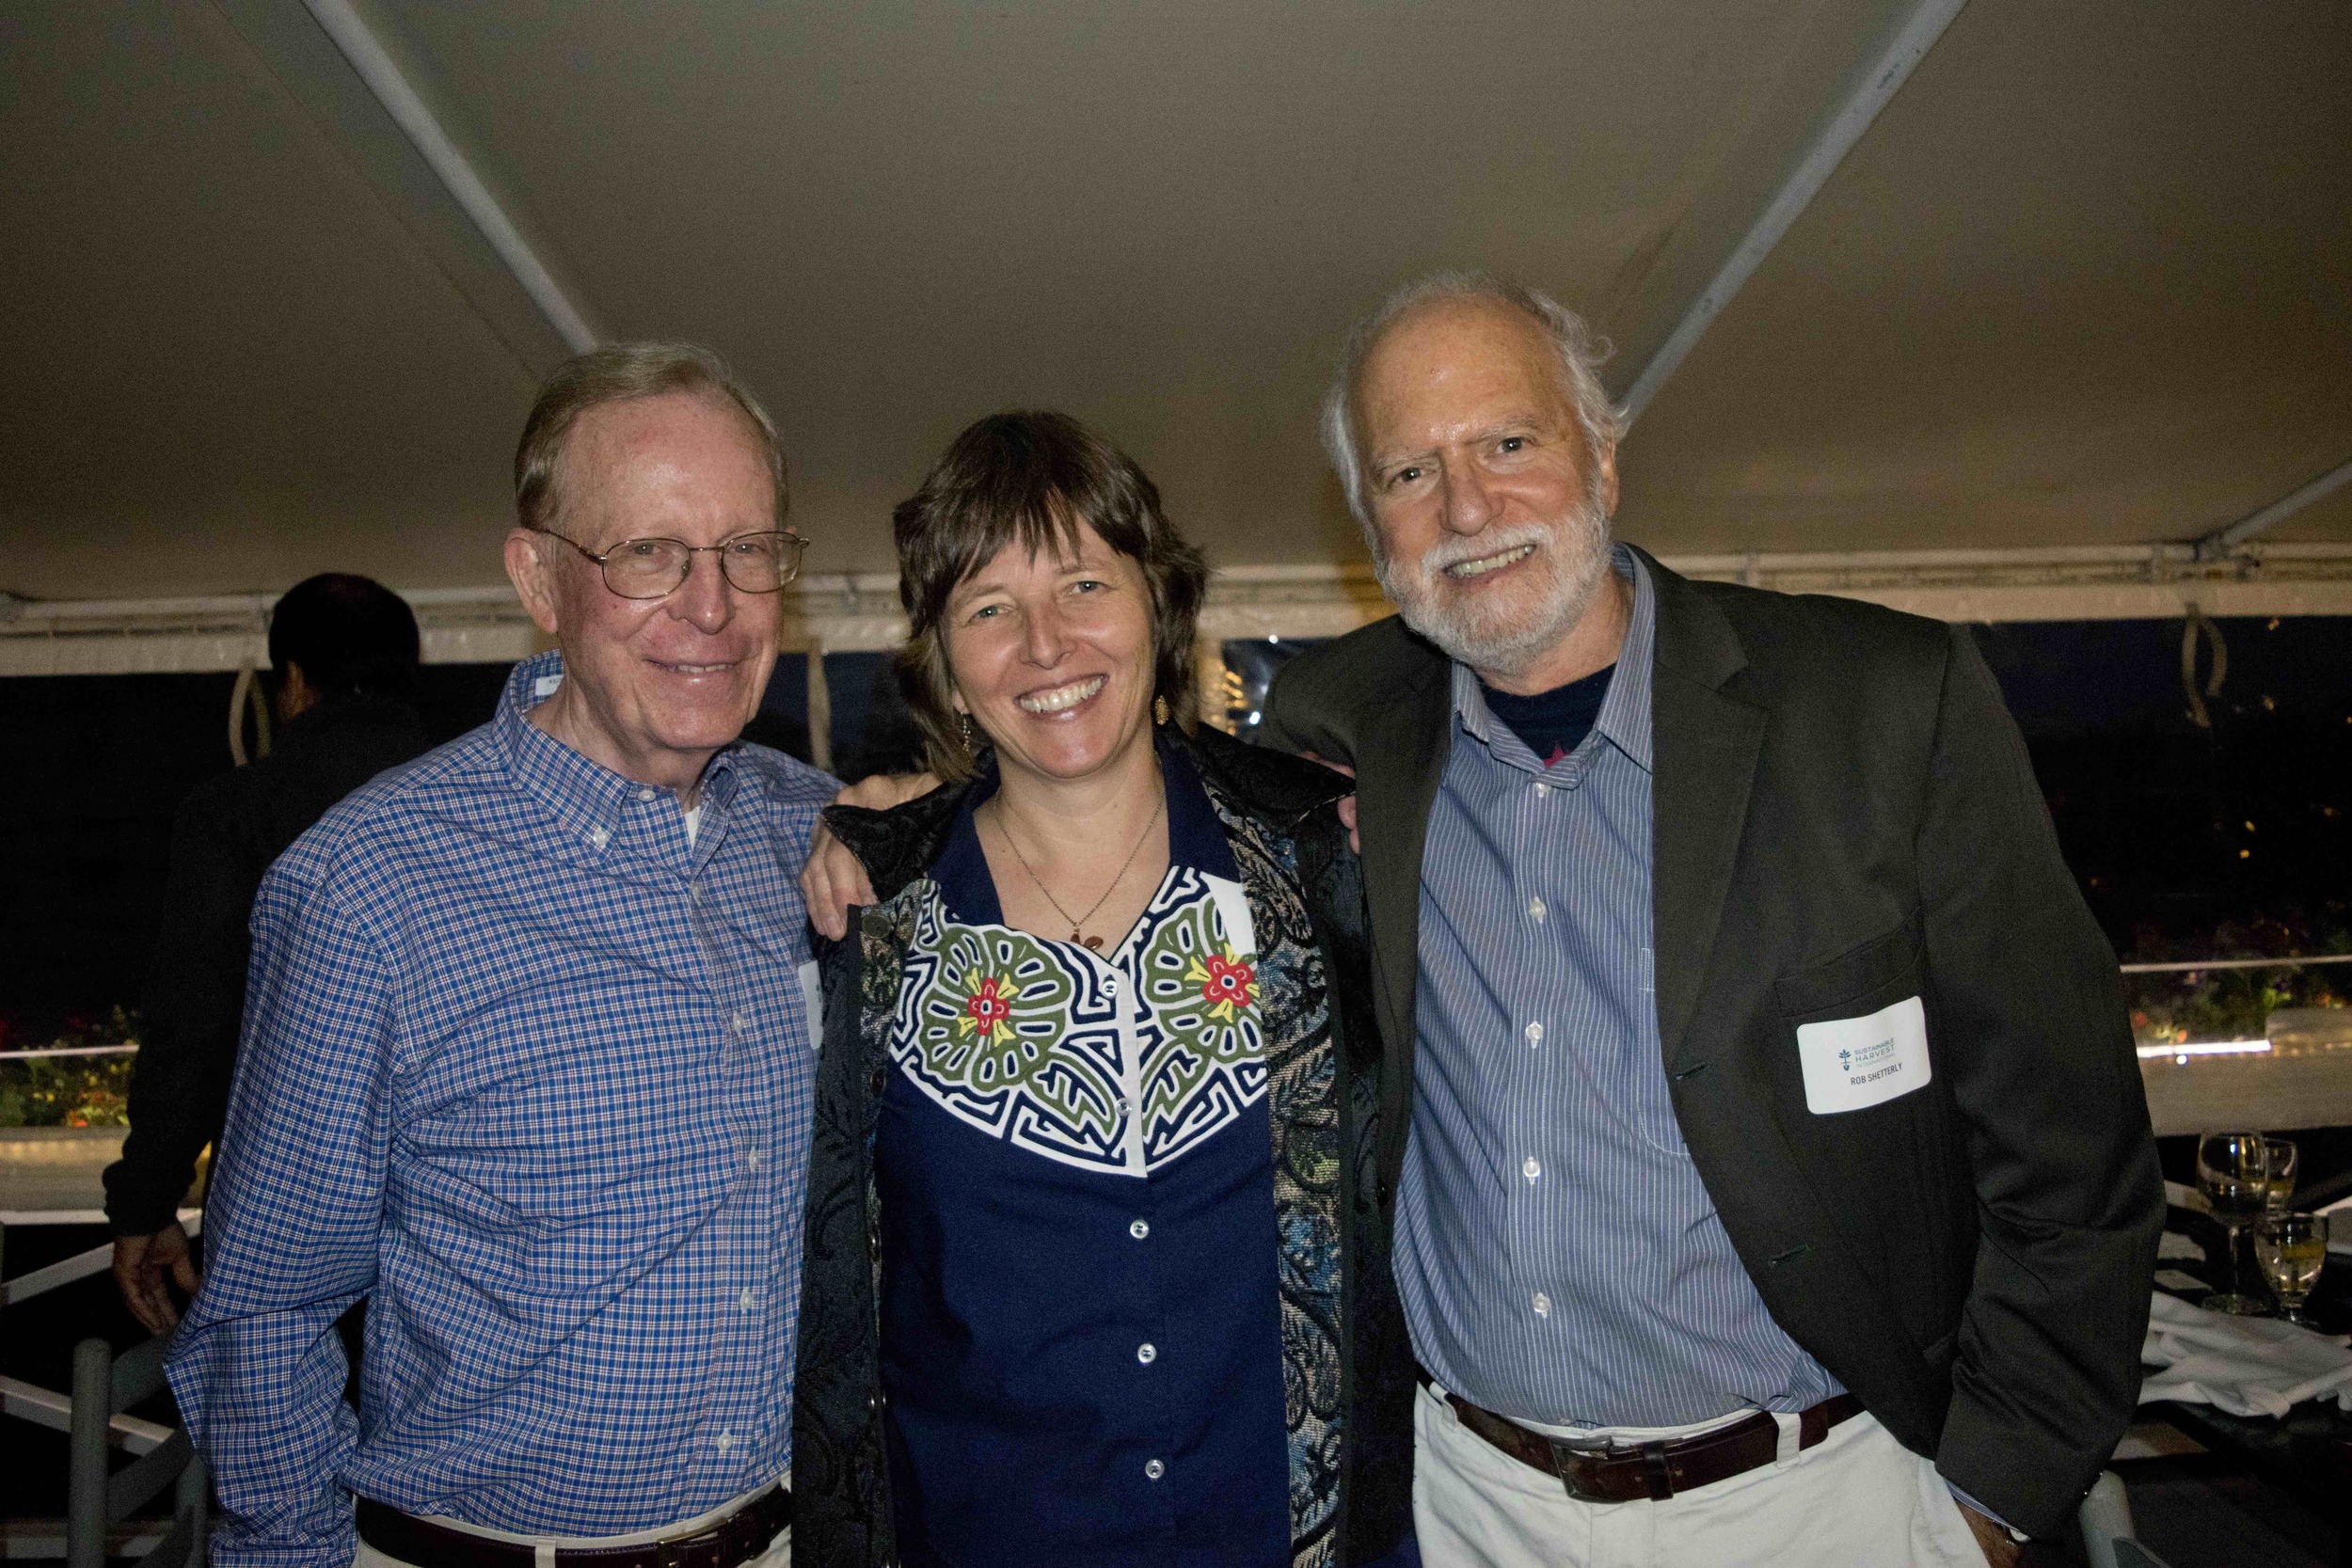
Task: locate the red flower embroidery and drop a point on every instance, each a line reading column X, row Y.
column 986, row 1009
column 1227, row 983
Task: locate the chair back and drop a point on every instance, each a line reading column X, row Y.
column 104, row 1386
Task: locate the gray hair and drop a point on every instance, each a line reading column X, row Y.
column 1581, row 356
column 616, row 373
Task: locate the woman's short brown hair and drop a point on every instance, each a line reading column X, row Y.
column 1032, row 477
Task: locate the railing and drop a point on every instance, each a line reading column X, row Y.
column 2235, row 1014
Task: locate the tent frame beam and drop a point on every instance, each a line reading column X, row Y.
column 1814, row 165
column 382, row 75
column 2223, row 541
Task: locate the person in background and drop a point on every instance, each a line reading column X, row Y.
column 527, row 1061
column 343, row 653
column 1098, row 1087
column 1780, row 1187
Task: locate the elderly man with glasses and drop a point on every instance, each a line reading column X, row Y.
column 527, row 1061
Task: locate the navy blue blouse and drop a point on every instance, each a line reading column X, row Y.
column 1080, row 1329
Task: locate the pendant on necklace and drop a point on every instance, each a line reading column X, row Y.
column 1094, row 944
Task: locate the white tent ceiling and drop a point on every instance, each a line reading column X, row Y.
column 2084, row 282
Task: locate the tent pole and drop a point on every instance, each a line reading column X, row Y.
column 383, row 78
column 2221, row 541
column 1885, row 77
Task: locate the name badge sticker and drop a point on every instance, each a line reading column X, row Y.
column 813, row 998
column 1852, row 1064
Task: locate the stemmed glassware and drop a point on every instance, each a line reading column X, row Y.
column 2233, row 1173
column 2293, row 1248
column 2282, row 1161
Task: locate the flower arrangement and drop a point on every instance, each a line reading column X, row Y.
column 70, row 1091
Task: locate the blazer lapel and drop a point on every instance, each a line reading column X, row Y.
column 1397, row 773
column 1705, row 747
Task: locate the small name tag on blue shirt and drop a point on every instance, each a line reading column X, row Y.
column 1852, row 1064
column 813, row 998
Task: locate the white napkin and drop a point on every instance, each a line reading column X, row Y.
column 2246, row 1366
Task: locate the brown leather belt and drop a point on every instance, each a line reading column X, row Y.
column 734, row 1540
column 1656, row 1471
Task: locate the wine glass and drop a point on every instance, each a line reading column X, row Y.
column 2282, row 1160
column 2293, row 1248
column 2233, row 1173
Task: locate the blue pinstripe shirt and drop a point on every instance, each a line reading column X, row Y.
column 1558, row 1256
column 531, row 1072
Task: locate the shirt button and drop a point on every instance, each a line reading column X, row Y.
column 1139, row 1230
column 750, row 1159
column 1534, row 1167
column 599, row 837
column 1147, row 1354
column 1542, row 788
column 1110, row 987
column 1535, row 910
column 726, row 1441
column 1534, row 1034
column 1543, row 1305
column 739, row 1024
column 1154, row 1469
column 748, row 1299
column 645, row 794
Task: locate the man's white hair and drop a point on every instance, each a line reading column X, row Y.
column 1579, row 352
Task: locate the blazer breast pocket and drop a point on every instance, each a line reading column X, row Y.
column 1861, row 1024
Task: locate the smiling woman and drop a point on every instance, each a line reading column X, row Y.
column 1105, row 1091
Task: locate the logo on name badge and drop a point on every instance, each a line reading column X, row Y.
column 1852, row 1064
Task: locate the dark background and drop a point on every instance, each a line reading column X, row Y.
column 2187, row 842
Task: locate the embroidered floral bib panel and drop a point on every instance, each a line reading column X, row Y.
column 1117, row 1062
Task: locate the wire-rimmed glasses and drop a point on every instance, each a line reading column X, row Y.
column 760, row 562
column 2233, row 1173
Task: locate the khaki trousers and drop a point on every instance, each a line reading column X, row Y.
column 778, row 1555
column 1856, row 1500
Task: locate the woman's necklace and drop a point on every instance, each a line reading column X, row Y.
column 1077, row 924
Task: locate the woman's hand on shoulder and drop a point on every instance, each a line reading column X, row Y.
column 833, row 880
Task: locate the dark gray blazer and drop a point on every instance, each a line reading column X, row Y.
column 1844, row 817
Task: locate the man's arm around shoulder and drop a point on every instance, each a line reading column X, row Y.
column 1316, row 702
column 2040, row 1060
column 291, row 1230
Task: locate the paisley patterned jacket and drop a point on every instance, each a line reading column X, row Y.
column 1347, row 1369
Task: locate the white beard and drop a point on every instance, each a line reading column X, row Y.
column 1507, row 638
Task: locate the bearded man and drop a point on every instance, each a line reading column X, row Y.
column 1779, row 1185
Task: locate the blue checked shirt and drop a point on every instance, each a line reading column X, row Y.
column 531, row 1072
column 1558, row 1256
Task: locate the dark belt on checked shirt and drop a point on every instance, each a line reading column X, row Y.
column 733, row 1541
column 1630, row 1472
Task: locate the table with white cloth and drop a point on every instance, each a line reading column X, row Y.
column 2267, row 1394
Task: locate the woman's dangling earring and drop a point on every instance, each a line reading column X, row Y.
column 969, row 729
column 1159, row 710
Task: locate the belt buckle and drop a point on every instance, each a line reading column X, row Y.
column 1657, row 1472
column 690, row 1551
column 1567, row 1455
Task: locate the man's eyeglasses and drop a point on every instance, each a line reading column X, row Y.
column 657, row 568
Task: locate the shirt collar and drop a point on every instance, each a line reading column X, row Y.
column 586, row 798
column 1624, row 720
